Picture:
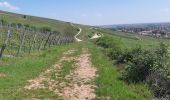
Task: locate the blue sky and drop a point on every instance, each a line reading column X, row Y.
column 93, row 12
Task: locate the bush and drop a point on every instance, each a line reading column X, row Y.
column 128, row 55
column 112, row 47
column 113, row 53
column 146, row 61
column 159, row 84
column 150, row 66
column 108, row 42
column 139, row 67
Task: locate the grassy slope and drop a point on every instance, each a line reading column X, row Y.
column 109, row 85
column 131, row 40
column 108, row 82
column 86, row 31
column 64, row 27
column 19, row 70
column 29, row 67
column 37, row 21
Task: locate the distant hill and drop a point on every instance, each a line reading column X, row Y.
column 60, row 26
column 135, row 25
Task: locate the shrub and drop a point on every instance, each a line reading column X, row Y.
column 128, row 55
column 150, row 66
column 112, row 47
column 113, row 53
column 108, row 42
column 139, row 67
column 159, row 84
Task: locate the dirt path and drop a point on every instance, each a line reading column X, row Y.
column 96, row 36
column 78, row 40
column 78, row 84
column 80, row 30
column 80, row 79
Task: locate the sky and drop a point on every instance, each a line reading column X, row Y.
column 93, row 12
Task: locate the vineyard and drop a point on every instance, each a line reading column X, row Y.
column 18, row 38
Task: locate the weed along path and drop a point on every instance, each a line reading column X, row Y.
column 71, row 78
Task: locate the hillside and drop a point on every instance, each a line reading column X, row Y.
column 61, row 26
column 46, row 59
column 32, row 33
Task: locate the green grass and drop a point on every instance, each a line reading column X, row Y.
column 86, row 31
column 29, row 67
column 65, row 29
column 66, row 68
column 109, row 85
column 44, row 94
column 19, row 70
column 129, row 40
column 41, row 94
column 60, row 26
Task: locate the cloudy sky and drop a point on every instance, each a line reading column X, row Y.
column 93, row 12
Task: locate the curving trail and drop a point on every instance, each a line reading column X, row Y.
column 96, row 36
column 80, row 30
column 78, row 40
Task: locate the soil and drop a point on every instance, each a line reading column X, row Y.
column 77, row 85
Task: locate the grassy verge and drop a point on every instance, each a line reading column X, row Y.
column 109, row 85
column 19, row 70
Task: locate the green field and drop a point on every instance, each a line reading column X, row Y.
column 131, row 40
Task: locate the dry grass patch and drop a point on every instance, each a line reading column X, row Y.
column 2, row 75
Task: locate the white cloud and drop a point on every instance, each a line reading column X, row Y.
column 8, row 6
